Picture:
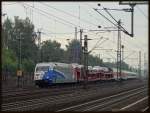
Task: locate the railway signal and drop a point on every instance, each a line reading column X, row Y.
column 85, row 53
column 19, row 71
column 85, row 60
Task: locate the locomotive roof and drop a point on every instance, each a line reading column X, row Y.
column 53, row 64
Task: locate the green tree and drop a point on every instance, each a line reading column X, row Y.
column 28, row 65
column 24, row 29
column 7, row 28
column 74, row 51
column 51, row 51
column 9, row 61
column 94, row 61
column 20, row 28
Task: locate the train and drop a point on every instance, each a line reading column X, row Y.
column 50, row 73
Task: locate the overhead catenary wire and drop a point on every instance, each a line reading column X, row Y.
column 69, row 14
column 58, row 32
column 135, row 45
column 129, row 44
column 133, row 51
column 9, row 3
column 62, row 38
column 37, row 11
column 111, row 15
column 72, row 27
column 58, row 18
column 142, row 12
column 79, row 15
column 97, row 44
column 92, row 16
column 54, row 33
column 105, row 17
column 125, row 31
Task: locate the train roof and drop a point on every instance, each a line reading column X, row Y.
column 125, row 71
column 53, row 64
column 44, row 64
column 100, row 68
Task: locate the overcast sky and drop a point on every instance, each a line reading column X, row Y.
column 57, row 21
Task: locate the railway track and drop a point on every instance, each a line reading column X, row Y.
column 20, row 92
column 23, row 94
column 111, row 103
column 53, row 100
column 17, row 91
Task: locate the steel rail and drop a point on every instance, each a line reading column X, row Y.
column 101, row 99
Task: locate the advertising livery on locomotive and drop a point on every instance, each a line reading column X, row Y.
column 55, row 73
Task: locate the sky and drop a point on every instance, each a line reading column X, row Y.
column 57, row 21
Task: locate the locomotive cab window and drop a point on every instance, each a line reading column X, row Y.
column 42, row 68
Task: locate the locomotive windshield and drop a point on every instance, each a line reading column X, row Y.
column 42, row 68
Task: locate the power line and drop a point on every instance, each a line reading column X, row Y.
column 49, row 17
column 9, row 4
column 104, row 17
column 79, row 15
column 125, row 31
column 127, row 44
column 59, row 32
column 135, row 45
column 69, row 14
column 53, row 16
column 142, row 12
column 91, row 14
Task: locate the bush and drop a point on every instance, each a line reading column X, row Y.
column 9, row 60
column 28, row 65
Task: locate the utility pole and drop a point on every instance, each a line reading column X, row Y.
column 19, row 71
column 119, row 51
column 122, row 46
column 140, row 65
column 145, row 65
column 75, row 49
column 99, row 59
column 81, row 31
column 76, row 33
column 39, row 45
column 85, row 61
column 122, row 52
column 132, row 18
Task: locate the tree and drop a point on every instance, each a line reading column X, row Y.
column 24, row 29
column 12, row 31
column 51, row 51
column 74, row 51
column 9, row 61
column 7, row 27
column 28, row 65
column 94, row 61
